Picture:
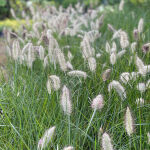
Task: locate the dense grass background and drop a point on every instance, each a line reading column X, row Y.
column 27, row 109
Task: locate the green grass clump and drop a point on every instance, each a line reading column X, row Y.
column 27, row 109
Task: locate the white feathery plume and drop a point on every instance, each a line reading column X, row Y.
column 45, row 63
column 41, row 52
column 47, row 137
column 69, row 65
column 133, row 47
column 141, row 25
column 30, row 56
column 121, row 5
column 121, row 53
column 134, row 75
column 77, row 73
column 26, row 47
column 98, row 55
column 140, row 101
column 92, row 64
column 61, row 60
column 142, row 69
column 114, row 47
column 116, row 34
column 124, row 39
column 111, row 28
column 55, row 82
column 70, row 56
column 106, row 142
column 98, row 102
column 118, row 87
column 65, row 101
column 68, row 148
column 125, row 77
column 49, row 86
column 113, row 58
column 141, row 87
column 128, row 122
column 16, row 50
column 107, row 48
column 87, row 50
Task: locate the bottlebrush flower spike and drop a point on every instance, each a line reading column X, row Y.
column 69, row 65
column 113, row 58
column 118, row 87
column 16, row 50
column 106, row 142
column 49, row 86
column 141, row 25
column 121, row 5
column 141, row 87
column 146, row 47
column 124, row 39
column 98, row 102
column 133, row 47
column 111, row 28
column 47, row 137
column 92, row 64
column 121, row 53
column 65, row 101
column 125, row 77
column 106, row 74
column 128, row 122
column 41, row 52
column 61, row 60
column 107, row 47
column 77, row 73
column 70, row 56
column 136, row 34
column 55, row 82
column 68, row 148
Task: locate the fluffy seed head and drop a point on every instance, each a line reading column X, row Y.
column 106, row 74
column 65, row 101
column 68, row 148
column 55, row 81
column 125, row 77
column 141, row 87
column 98, row 102
column 106, row 142
column 41, row 52
column 47, row 137
column 118, row 87
column 141, row 25
column 113, row 58
column 124, row 39
column 92, row 64
column 128, row 122
column 136, row 34
column 77, row 73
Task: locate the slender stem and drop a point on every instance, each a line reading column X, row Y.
column 140, row 129
column 69, row 127
column 89, row 125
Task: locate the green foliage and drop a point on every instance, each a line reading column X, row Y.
column 138, row 1
column 2, row 3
